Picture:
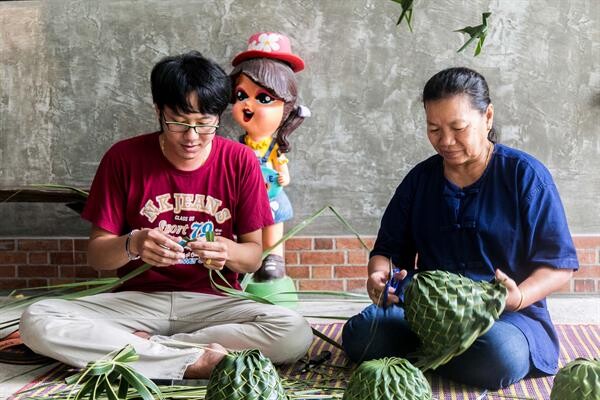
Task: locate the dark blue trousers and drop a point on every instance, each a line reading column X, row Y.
column 497, row 359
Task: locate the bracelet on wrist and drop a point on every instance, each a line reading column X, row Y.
column 520, row 301
column 130, row 256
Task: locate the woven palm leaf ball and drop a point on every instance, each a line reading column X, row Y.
column 245, row 375
column 448, row 312
column 578, row 380
column 386, row 379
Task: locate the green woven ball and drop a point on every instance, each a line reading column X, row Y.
column 387, row 379
column 448, row 312
column 578, row 380
column 245, row 375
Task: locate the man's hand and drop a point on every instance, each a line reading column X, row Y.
column 157, row 248
column 214, row 254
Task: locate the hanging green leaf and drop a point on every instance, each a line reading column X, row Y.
column 478, row 32
column 407, row 10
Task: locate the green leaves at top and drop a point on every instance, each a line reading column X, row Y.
column 478, row 32
column 406, row 12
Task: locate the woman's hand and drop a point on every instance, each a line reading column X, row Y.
column 214, row 255
column 514, row 299
column 156, row 248
column 376, row 285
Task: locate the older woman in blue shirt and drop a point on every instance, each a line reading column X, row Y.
column 482, row 210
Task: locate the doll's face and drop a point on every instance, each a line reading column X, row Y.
column 255, row 109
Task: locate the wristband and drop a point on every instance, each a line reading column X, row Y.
column 130, row 256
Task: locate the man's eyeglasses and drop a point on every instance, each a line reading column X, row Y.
column 180, row 127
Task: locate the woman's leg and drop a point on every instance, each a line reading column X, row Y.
column 496, row 360
column 377, row 333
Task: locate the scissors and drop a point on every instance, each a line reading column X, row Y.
column 397, row 284
column 315, row 362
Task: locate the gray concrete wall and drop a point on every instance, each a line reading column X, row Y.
column 74, row 78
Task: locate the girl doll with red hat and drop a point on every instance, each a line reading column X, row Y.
column 265, row 106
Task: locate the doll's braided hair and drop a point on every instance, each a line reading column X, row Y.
column 280, row 80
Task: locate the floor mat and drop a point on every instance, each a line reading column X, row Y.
column 575, row 341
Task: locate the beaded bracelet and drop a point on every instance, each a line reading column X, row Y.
column 130, row 256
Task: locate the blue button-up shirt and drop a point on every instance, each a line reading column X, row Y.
column 511, row 218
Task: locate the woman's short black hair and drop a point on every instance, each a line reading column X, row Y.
column 456, row 81
column 174, row 78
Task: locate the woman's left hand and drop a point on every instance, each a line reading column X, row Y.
column 214, row 255
column 514, row 298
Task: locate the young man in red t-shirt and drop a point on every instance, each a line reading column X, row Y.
column 149, row 192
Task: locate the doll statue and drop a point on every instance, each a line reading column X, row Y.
column 264, row 105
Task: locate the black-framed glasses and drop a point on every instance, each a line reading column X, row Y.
column 180, row 127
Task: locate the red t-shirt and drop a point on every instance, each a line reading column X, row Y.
column 137, row 187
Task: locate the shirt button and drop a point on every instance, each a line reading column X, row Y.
column 462, row 265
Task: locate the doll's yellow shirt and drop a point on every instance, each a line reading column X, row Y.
column 261, row 147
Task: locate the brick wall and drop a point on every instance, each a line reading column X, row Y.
column 315, row 263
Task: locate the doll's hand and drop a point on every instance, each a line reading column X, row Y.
column 283, row 179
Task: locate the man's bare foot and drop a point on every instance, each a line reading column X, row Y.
column 142, row 334
column 202, row 368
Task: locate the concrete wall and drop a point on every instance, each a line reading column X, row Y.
column 74, row 78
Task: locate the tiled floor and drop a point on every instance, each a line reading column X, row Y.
column 565, row 309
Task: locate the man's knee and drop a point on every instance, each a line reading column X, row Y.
column 35, row 321
column 294, row 339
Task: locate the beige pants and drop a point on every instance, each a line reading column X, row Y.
column 78, row 331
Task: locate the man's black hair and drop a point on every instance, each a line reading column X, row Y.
column 174, row 78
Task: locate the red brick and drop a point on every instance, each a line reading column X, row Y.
column 586, row 242
column 66, row 245
column 80, row 258
column 78, row 272
column 584, row 285
column 587, row 256
column 297, row 272
column 37, row 244
column 323, row 244
column 356, row 285
column 13, row 257
column 37, row 282
column 12, row 284
column 7, row 245
column 592, row 271
column 62, row 258
column 351, row 243
column 298, row 244
column 291, row 258
column 344, row 271
column 566, row 288
column 8, row 271
column 321, row 272
column 358, row 257
column 321, row 257
column 324, row 284
column 37, row 258
column 81, row 244
column 37, row 271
